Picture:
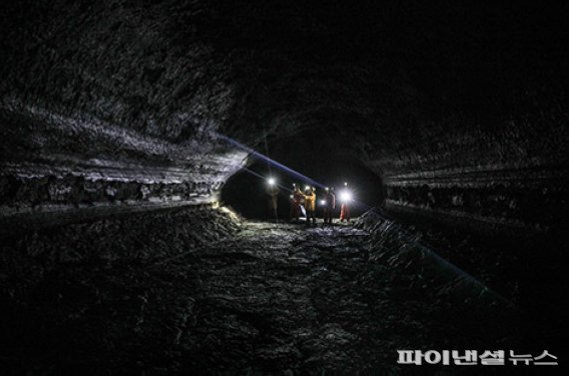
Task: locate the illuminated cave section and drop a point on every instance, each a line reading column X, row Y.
column 114, row 104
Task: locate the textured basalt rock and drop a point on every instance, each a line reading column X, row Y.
column 111, row 108
column 193, row 291
column 414, row 92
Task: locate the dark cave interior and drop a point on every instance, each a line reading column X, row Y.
column 119, row 122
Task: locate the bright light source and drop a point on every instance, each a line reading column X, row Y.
column 322, row 202
column 271, row 181
column 345, row 184
column 291, row 196
column 307, row 188
column 346, row 196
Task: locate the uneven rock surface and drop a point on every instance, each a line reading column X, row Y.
column 190, row 290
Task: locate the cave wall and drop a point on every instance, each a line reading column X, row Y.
column 102, row 104
column 461, row 111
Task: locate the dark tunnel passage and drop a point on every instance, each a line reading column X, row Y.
column 316, row 154
column 136, row 143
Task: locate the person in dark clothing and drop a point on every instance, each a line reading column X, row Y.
column 329, row 205
column 272, row 192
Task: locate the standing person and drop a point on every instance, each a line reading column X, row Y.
column 310, row 204
column 345, row 198
column 272, row 192
column 329, row 205
column 296, row 201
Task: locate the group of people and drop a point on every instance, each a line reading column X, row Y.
column 303, row 203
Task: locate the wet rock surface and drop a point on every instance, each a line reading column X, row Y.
column 190, row 290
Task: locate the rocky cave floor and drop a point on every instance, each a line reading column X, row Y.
column 191, row 291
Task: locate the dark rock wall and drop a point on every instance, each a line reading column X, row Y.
column 486, row 196
column 461, row 111
column 104, row 102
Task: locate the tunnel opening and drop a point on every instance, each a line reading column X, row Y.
column 314, row 153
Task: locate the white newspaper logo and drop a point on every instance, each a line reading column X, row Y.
column 471, row 357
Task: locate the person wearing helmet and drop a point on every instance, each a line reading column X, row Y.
column 329, row 205
column 272, row 192
column 345, row 198
column 296, row 200
column 310, row 204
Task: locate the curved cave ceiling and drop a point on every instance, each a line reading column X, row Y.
column 118, row 100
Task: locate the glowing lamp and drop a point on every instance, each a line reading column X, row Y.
column 322, row 202
column 346, row 196
column 271, row 181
